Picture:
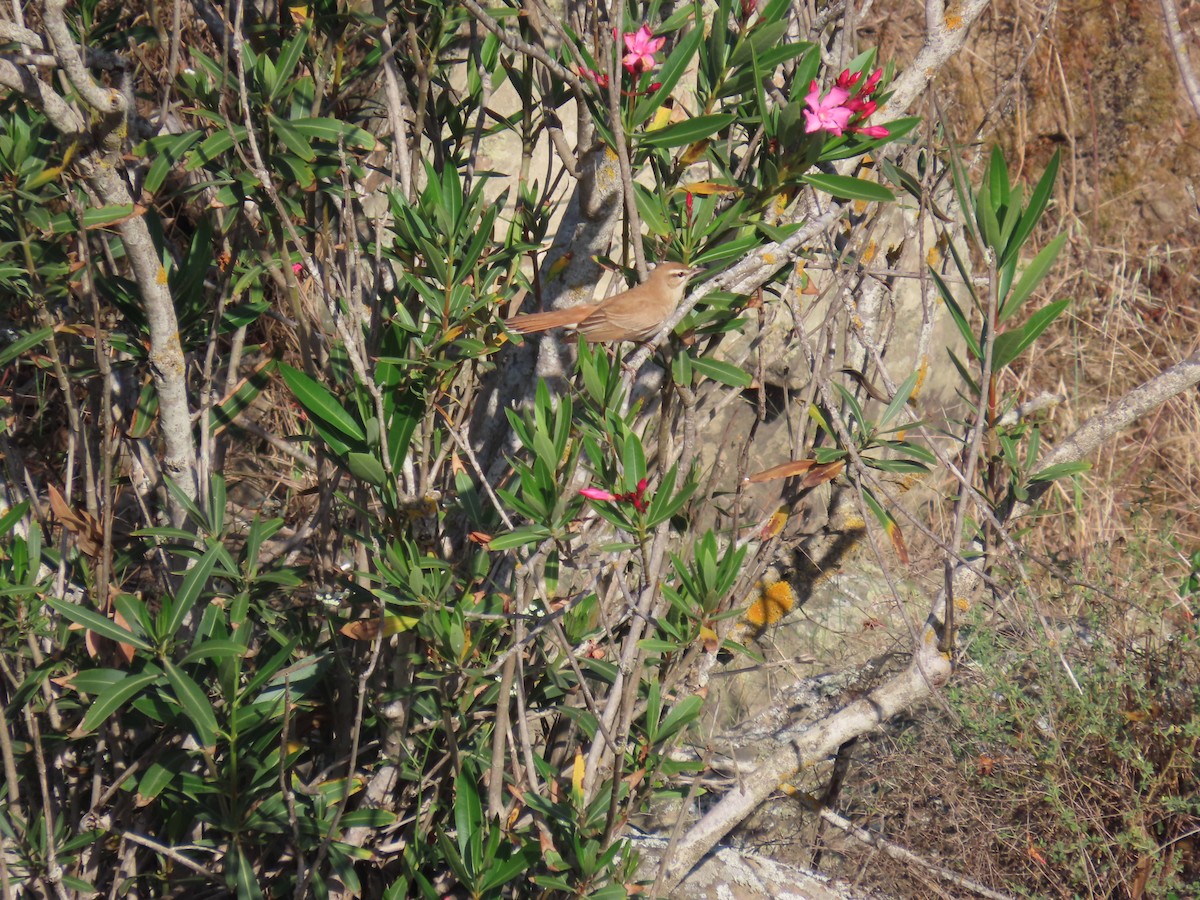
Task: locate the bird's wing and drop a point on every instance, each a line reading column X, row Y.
column 622, row 319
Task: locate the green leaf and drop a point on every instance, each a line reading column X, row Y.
column 216, row 648
column 106, row 215
column 193, row 583
column 145, row 413
column 849, row 188
column 657, row 645
column 898, row 402
column 332, row 130
column 368, row 818
column 226, row 412
column 240, row 866
column 113, row 698
column 1061, row 470
column 12, row 516
column 195, row 704
column 214, row 145
column 366, row 467
column 1033, row 212
column 158, row 775
column 1012, row 344
column 501, row 873
column 1030, row 278
column 651, row 207
column 96, row 622
column 292, row 138
column 683, row 133
column 680, row 716
column 519, row 537
column 23, row 343
column 723, row 372
column 321, row 404
column 94, row 681
column 468, row 820
column 288, row 59
column 956, row 313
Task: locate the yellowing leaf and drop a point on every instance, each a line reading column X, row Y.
column 367, row 629
column 784, row 470
column 577, row 777
column 704, row 188
column 897, row 537
column 774, row 525
column 693, row 153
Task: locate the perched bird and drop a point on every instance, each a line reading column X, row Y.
column 633, row 315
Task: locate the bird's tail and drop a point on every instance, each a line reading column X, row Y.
column 559, row 318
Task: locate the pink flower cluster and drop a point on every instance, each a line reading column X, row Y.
column 636, row 497
column 640, row 47
column 837, row 112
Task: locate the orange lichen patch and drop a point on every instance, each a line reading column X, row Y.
column 922, row 371
column 161, row 276
column 869, row 253
column 962, row 604
column 934, row 256
column 773, row 603
column 954, row 22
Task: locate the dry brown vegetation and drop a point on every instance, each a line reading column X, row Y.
column 1098, row 81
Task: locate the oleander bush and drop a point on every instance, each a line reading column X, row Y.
column 315, row 580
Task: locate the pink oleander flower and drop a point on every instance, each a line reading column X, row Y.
column 636, row 497
column 839, row 112
column 601, row 80
column 827, row 113
column 297, row 268
column 640, row 47
column 599, row 494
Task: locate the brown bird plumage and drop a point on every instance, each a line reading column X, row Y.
column 633, row 315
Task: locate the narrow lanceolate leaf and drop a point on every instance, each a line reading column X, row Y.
column 113, row 698
column 109, row 215
column 195, row 704
column 320, row 403
column 96, row 622
column 889, row 525
column 849, row 188
column 1013, row 343
column 23, row 343
column 189, row 591
column 688, row 132
column 1061, row 470
column 725, row 373
column 331, row 130
column 1031, row 277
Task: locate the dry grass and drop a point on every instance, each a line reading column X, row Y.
column 1099, row 85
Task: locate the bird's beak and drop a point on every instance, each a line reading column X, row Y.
column 694, row 271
